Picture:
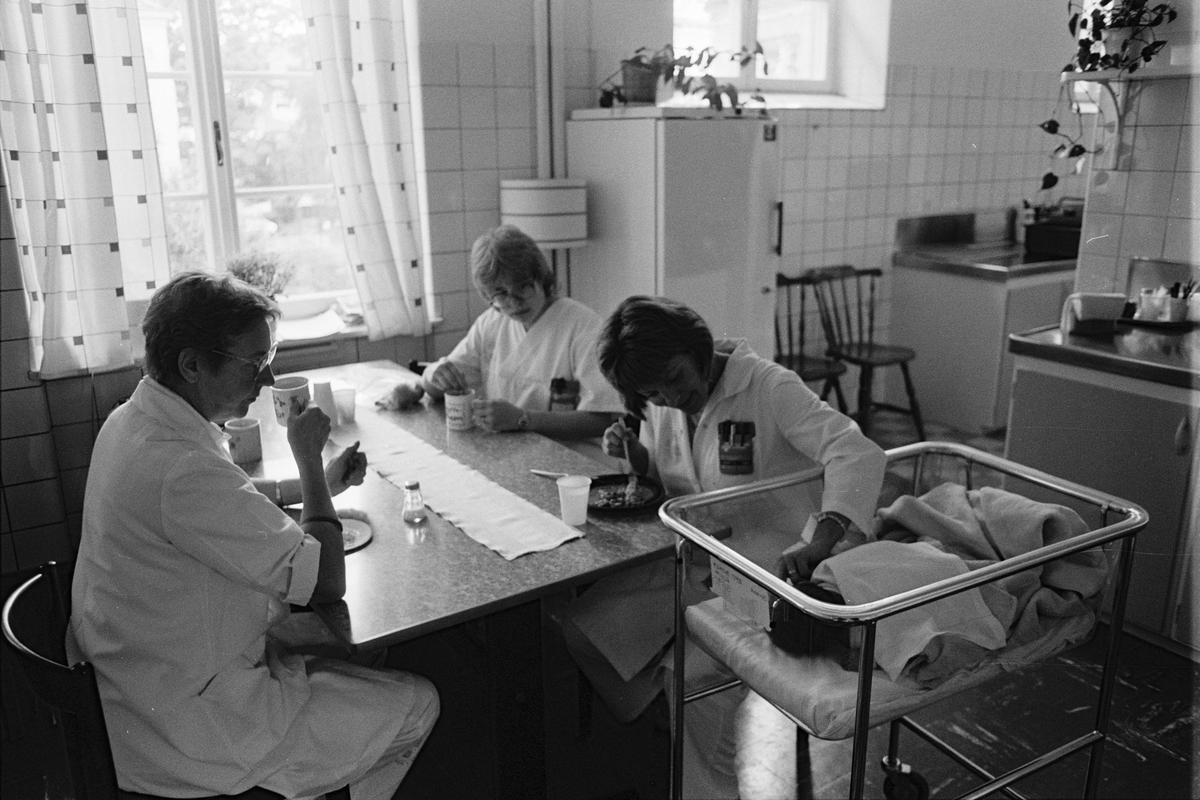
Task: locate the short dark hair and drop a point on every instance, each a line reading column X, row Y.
column 639, row 339
column 202, row 311
column 509, row 252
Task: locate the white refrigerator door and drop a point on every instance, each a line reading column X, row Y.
column 719, row 191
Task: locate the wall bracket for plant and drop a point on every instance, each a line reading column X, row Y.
column 1109, row 150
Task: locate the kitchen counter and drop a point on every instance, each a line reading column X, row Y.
column 993, row 261
column 1151, row 354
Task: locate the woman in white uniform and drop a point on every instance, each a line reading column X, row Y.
column 692, row 394
column 532, row 355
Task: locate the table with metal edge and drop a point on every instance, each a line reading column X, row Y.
column 413, row 580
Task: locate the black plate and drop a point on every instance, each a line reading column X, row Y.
column 618, row 480
column 1182, row 325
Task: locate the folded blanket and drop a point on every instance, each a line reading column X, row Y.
column 958, row 530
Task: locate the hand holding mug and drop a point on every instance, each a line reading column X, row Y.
column 444, row 377
column 494, row 416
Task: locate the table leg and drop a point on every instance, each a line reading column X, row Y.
column 514, row 657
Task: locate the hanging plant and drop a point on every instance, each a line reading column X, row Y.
column 1116, row 34
column 1070, row 148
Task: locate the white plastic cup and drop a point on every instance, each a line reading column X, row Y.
column 291, row 396
column 573, row 498
column 343, row 400
column 245, row 440
column 458, row 411
column 322, row 392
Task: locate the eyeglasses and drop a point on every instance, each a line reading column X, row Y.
column 501, row 294
column 259, row 364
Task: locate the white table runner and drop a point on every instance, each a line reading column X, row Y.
column 480, row 507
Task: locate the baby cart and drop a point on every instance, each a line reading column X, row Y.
column 831, row 702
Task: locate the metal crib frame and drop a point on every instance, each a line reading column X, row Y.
column 868, row 614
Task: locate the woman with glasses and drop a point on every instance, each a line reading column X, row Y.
column 531, row 356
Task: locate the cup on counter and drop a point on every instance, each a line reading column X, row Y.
column 245, row 440
column 322, row 392
column 290, row 396
column 573, row 498
column 458, row 410
column 343, row 400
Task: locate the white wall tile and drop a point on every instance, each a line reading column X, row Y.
column 481, row 189
column 514, row 108
column 445, row 191
column 1149, row 193
column 476, row 65
column 439, row 65
column 440, row 106
column 477, row 107
column 515, row 147
column 1141, row 237
column 479, row 149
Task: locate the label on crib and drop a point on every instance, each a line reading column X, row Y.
column 743, row 597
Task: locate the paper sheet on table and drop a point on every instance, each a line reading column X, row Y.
column 481, row 508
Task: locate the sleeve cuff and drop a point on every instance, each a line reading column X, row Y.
column 305, row 563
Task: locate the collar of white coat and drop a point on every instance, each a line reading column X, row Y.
column 159, row 402
column 738, row 369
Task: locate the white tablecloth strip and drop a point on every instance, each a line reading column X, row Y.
column 480, row 507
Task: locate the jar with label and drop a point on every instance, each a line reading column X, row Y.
column 414, row 504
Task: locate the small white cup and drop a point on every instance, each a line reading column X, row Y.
column 343, row 399
column 291, row 396
column 245, row 440
column 573, row 498
column 458, row 411
column 322, row 392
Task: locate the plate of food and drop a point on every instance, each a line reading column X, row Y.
column 624, row 494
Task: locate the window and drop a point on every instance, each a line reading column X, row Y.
column 240, row 138
column 817, row 53
column 795, row 36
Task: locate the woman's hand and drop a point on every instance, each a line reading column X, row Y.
column 495, row 416
column 307, row 433
column 797, row 562
column 620, row 442
column 444, row 377
column 348, row 468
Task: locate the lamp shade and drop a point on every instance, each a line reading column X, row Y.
column 551, row 211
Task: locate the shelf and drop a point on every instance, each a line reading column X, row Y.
column 1155, row 72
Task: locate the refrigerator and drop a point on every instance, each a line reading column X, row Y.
column 684, row 204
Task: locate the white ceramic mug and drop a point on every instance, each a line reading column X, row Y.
column 573, row 498
column 245, row 440
column 290, row 396
column 458, row 411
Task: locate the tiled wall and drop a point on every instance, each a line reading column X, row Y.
column 479, row 129
column 1148, row 208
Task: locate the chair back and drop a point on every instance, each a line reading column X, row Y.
column 791, row 306
column 35, row 624
column 846, row 301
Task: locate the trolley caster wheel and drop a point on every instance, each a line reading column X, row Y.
column 905, row 786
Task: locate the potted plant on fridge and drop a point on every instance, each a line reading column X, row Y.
column 262, row 269
column 642, row 73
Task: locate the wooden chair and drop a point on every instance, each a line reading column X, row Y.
column 791, row 301
column 846, row 301
column 35, row 623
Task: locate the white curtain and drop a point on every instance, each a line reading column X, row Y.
column 82, row 174
column 360, row 54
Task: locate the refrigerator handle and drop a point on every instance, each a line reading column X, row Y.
column 778, row 227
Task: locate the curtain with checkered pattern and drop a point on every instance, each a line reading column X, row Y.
column 82, row 173
column 359, row 51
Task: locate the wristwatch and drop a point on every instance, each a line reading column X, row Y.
column 523, row 422
column 840, row 519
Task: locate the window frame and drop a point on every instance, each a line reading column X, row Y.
column 205, row 76
column 748, row 81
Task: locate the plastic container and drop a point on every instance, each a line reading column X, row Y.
column 414, row 504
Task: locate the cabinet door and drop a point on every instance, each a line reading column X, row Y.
column 1118, row 442
column 1029, row 306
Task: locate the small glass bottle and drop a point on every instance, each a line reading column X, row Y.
column 414, row 505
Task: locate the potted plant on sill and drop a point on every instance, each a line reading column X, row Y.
column 1116, row 34
column 261, row 269
column 642, row 73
